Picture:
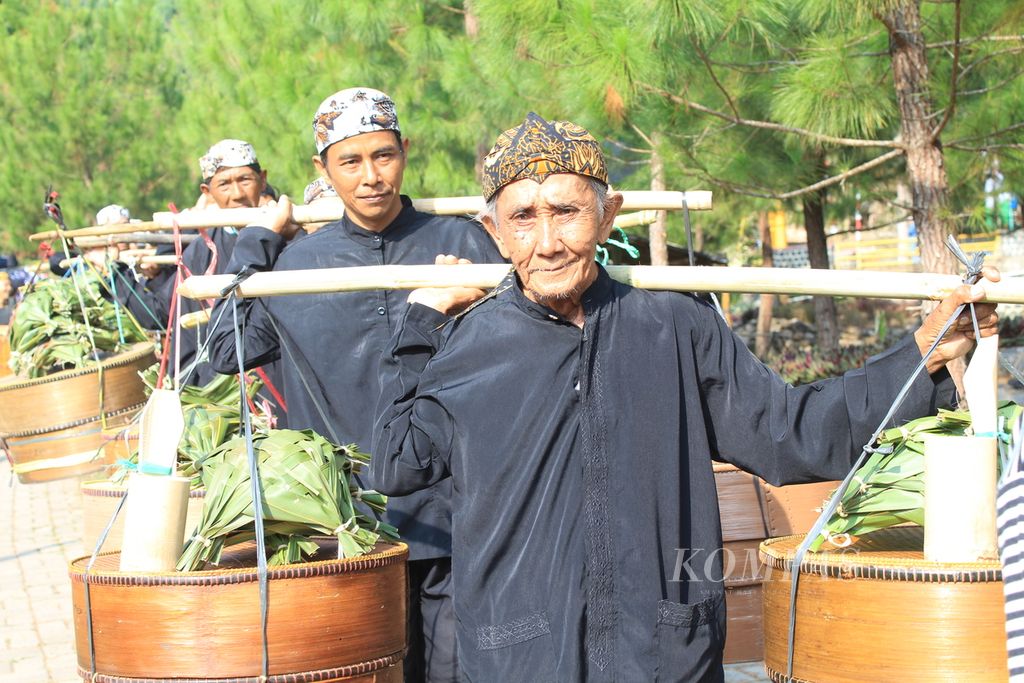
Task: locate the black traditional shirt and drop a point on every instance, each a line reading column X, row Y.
column 336, row 340
column 586, row 535
column 197, row 259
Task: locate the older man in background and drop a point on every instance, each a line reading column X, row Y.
column 576, row 418
column 232, row 178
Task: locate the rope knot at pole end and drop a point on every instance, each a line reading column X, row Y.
column 239, row 278
column 972, row 263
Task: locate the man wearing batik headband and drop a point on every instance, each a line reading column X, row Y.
column 576, row 418
column 334, row 341
column 232, row 178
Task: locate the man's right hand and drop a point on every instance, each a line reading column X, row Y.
column 280, row 217
column 447, row 300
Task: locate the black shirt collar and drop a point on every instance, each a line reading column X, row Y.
column 597, row 293
column 369, row 238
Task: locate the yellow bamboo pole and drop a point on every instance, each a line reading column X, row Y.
column 161, row 260
column 195, row 319
column 857, row 283
column 331, row 209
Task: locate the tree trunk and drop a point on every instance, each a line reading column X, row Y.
column 817, row 253
column 763, row 336
column 471, row 22
column 929, row 184
column 657, row 233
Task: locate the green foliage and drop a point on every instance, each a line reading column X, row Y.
column 834, row 91
column 804, row 368
column 115, row 102
column 90, row 100
column 51, row 332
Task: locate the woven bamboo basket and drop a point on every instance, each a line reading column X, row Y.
column 118, row 443
column 100, row 499
column 752, row 510
column 53, row 425
column 333, row 620
column 878, row 611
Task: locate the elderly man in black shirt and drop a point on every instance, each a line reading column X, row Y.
column 331, row 344
column 576, row 418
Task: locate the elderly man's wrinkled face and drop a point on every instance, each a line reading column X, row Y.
column 550, row 232
column 237, row 187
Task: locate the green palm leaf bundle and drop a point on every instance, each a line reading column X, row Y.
column 211, row 418
column 307, row 491
column 888, row 489
column 49, row 332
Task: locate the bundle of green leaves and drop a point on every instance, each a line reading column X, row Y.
column 211, row 415
column 888, row 489
column 49, row 332
column 307, row 491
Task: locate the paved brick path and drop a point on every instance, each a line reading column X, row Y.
column 42, row 533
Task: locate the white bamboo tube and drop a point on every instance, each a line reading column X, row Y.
column 859, row 283
column 154, row 526
column 981, row 385
column 331, row 209
column 960, row 498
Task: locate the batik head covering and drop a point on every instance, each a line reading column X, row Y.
column 227, row 154
column 536, row 149
column 113, row 213
column 318, row 189
column 352, row 112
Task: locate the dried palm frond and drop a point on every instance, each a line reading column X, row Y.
column 306, row 491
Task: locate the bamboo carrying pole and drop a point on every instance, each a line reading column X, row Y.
column 856, row 283
column 159, row 260
column 331, row 209
column 129, row 237
column 195, row 319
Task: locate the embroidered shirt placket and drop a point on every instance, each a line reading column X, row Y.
column 601, row 610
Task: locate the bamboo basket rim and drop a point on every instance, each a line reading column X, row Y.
column 773, row 675
column 390, row 553
column 120, row 412
column 127, row 357
column 898, row 564
column 115, row 490
column 338, row 673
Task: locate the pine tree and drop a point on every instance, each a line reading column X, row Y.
column 89, row 98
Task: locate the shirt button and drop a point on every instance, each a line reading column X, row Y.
column 381, row 310
column 376, row 238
